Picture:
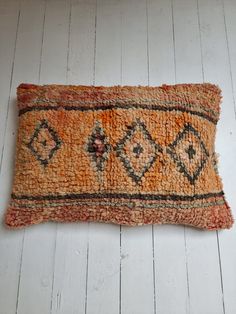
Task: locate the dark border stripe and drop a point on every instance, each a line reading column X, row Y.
column 148, row 197
column 109, row 107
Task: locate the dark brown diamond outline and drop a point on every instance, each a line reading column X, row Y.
column 44, row 124
column 119, row 148
column 177, row 159
column 98, row 160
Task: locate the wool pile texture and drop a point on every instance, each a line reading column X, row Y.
column 130, row 155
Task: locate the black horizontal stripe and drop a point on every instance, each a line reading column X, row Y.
column 148, row 197
column 118, row 106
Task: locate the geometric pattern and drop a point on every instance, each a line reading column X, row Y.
column 131, row 155
column 98, row 146
column 44, row 142
column 189, row 153
column 137, row 150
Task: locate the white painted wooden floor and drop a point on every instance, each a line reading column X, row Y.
column 97, row 268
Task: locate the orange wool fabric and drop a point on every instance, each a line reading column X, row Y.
column 129, row 155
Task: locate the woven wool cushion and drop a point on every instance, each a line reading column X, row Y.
column 129, row 155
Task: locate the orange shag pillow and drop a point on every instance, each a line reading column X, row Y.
column 130, row 155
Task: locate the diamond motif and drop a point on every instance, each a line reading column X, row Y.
column 98, row 146
column 137, row 150
column 189, row 153
column 44, row 142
